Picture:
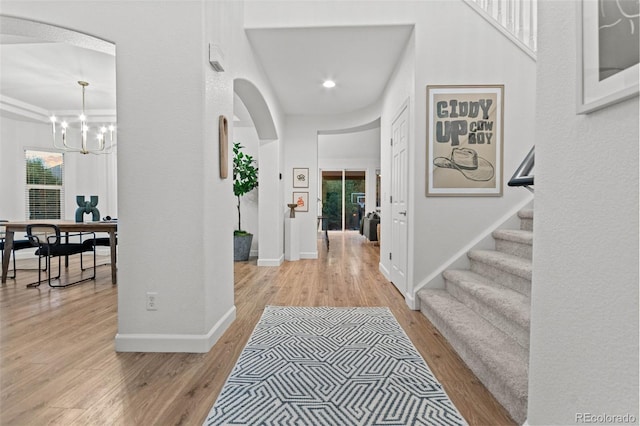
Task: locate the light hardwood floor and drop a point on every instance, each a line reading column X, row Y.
column 58, row 364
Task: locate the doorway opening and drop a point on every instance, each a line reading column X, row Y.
column 255, row 129
column 343, row 198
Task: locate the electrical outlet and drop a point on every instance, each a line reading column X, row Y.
column 152, row 301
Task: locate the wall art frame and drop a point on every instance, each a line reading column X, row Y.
column 607, row 53
column 464, row 140
column 302, row 200
column 300, row 177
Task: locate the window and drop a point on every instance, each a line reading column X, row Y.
column 44, row 189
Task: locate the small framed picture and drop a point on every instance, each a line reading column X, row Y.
column 302, row 200
column 300, row 177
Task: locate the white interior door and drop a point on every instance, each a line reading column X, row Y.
column 399, row 236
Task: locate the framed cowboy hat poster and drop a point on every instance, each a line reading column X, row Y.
column 464, row 140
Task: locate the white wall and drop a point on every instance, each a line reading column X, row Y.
column 352, row 151
column 301, row 150
column 452, row 45
column 584, row 307
column 283, row 13
column 300, row 133
column 168, row 103
column 272, row 204
column 15, row 137
column 83, row 174
column 474, row 53
column 399, row 91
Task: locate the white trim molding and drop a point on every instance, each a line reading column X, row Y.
column 186, row 343
column 384, row 271
column 412, row 301
column 520, row 28
column 308, row 255
column 483, row 241
column 271, row 262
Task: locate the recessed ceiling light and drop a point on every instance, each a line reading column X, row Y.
column 329, row 84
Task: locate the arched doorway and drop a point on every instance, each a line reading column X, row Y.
column 270, row 194
column 42, row 65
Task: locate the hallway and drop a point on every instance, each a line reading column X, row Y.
column 58, row 364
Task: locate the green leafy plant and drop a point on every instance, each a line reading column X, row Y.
column 245, row 178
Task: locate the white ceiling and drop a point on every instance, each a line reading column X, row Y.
column 44, row 75
column 359, row 59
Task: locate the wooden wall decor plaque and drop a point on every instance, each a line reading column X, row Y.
column 223, row 130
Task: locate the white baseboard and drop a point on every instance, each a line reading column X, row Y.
column 271, row 262
column 187, row 343
column 412, row 302
column 384, row 271
column 309, row 255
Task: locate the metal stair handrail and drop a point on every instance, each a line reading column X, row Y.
column 524, row 174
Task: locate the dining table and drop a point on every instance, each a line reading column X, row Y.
column 11, row 227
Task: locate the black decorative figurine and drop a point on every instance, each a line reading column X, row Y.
column 87, row 207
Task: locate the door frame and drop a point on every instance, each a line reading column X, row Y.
column 409, row 296
column 344, row 173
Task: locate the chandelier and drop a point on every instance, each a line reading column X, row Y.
column 99, row 146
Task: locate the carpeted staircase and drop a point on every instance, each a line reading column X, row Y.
column 484, row 314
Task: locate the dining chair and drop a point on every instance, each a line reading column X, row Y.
column 96, row 242
column 49, row 243
column 17, row 245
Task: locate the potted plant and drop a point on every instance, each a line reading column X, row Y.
column 245, row 179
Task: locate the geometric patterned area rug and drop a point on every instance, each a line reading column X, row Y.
column 331, row 366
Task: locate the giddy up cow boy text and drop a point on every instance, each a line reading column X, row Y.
column 458, row 118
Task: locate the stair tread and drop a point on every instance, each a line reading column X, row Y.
column 513, row 264
column 525, row 214
column 499, row 353
column 515, row 235
column 508, row 302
